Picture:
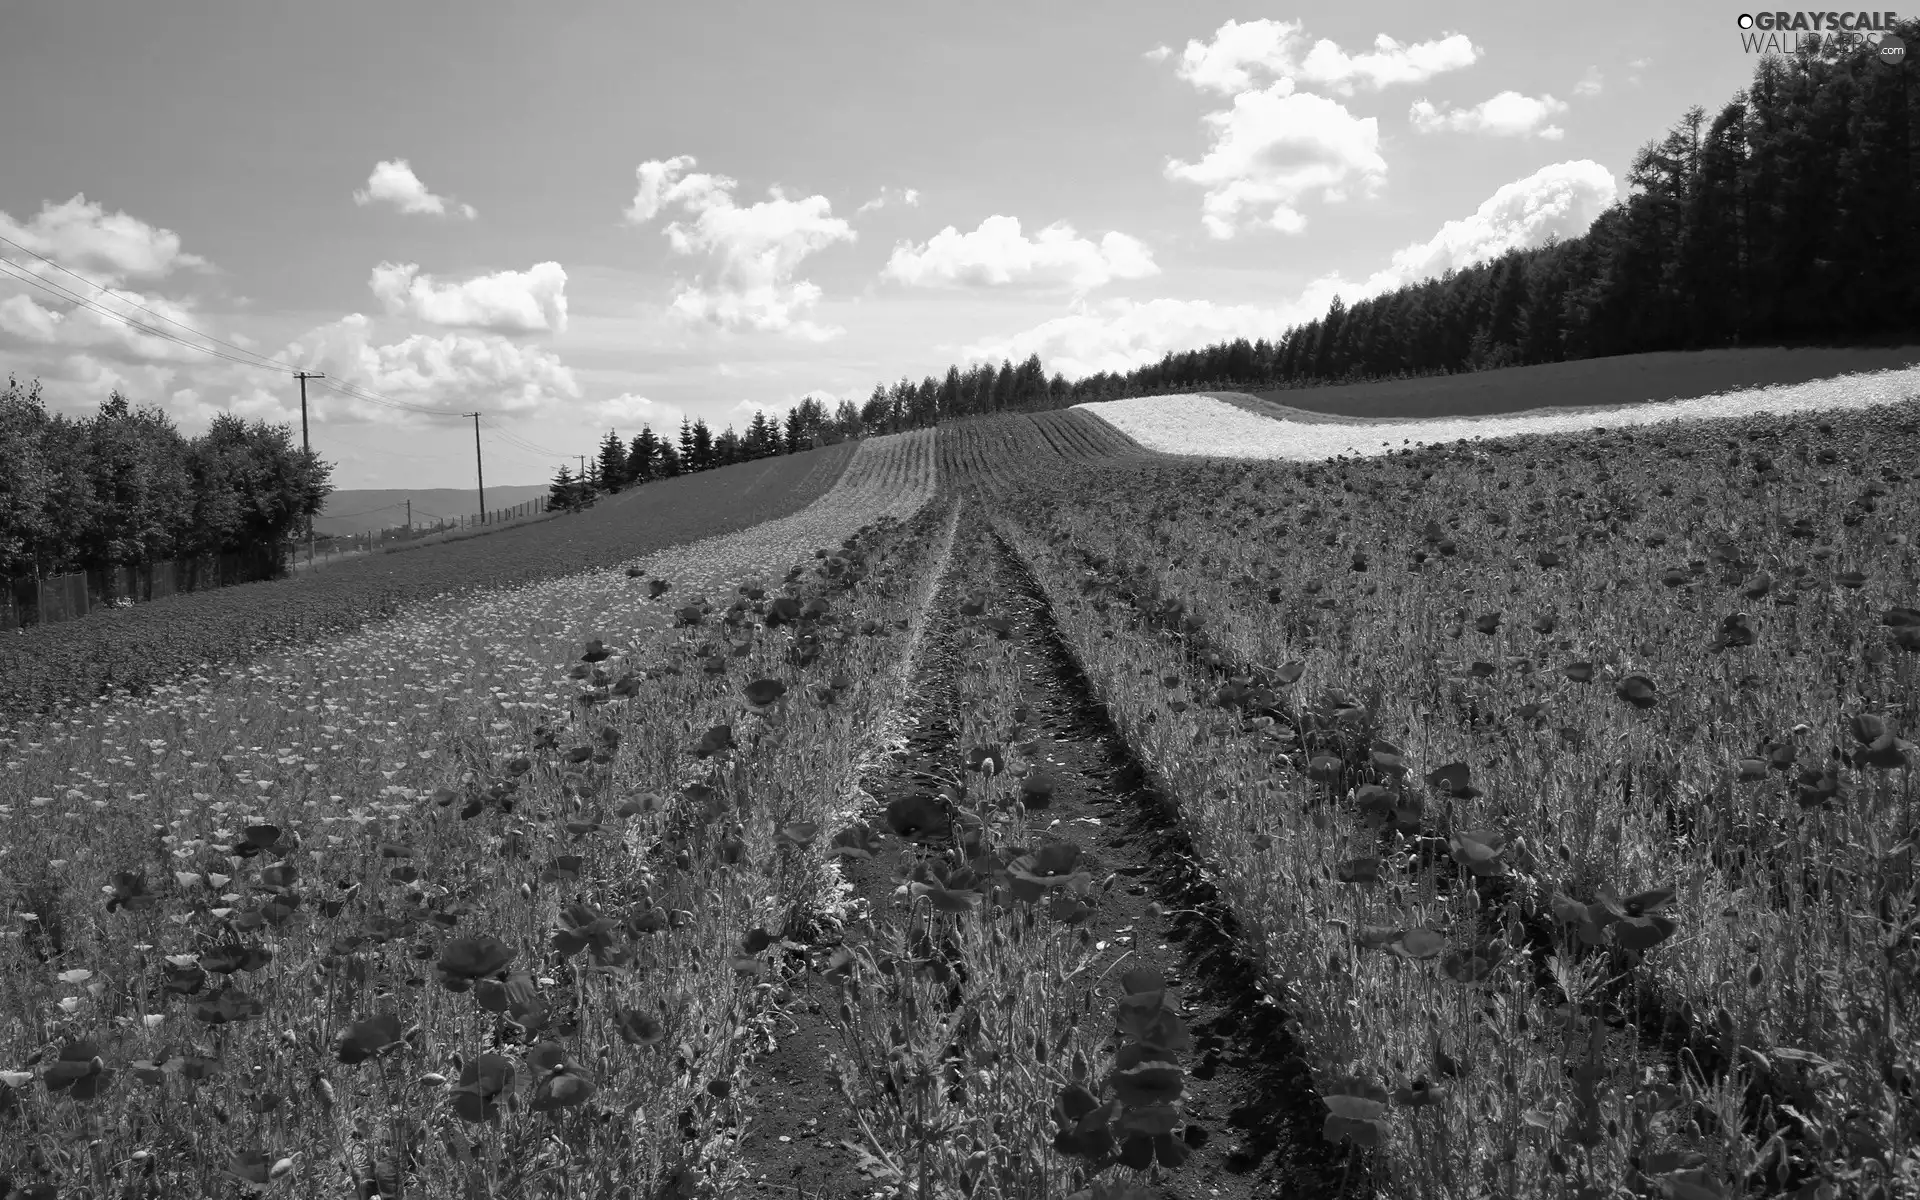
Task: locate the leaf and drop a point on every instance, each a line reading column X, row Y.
column 1638, row 691
column 762, row 692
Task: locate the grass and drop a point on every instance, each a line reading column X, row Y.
column 72, row 663
column 1592, row 383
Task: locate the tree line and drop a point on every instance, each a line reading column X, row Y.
column 1791, row 216
column 619, row 465
column 124, row 487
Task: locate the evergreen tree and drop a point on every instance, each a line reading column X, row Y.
column 760, row 436
column 613, row 462
column 700, row 448
column 643, row 457
column 563, row 492
column 726, row 448
column 670, row 463
column 686, row 446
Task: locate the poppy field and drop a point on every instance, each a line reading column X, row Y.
column 1561, row 783
column 1032, row 815
column 476, row 902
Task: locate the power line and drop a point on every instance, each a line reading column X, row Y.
column 15, row 270
column 254, row 360
column 143, row 308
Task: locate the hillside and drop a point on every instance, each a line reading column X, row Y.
column 1589, row 383
column 363, row 510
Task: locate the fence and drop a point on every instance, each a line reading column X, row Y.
column 324, row 546
column 30, row 601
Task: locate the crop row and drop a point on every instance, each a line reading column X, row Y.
column 1671, row 971
column 546, row 926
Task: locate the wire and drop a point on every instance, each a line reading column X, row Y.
column 143, row 308
column 256, row 361
column 16, row 271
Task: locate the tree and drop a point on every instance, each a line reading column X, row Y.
column 761, row 438
column 643, row 458
column 24, row 478
column 727, row 448
column 687, row 462
column 563, row 494
column 700, row 451
column 613, row 462
column 845, row 423
column 141, row 484
column 670, row 464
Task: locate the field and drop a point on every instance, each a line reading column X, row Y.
column 1590, row 383
column 1030, row 815
column 75, row 662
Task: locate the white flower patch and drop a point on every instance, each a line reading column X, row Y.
column 1201, row 425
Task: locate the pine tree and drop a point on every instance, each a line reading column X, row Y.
column 686, row 445
column 643, row 459
column 700, row 450
column 759, row 436
column 670, row 463
column 562, row 492
column 613, row 462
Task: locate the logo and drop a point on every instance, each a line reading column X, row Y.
column 1817, row 32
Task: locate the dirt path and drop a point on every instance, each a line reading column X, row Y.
column 1253, row 1125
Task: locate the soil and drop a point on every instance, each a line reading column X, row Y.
column 1254, row 1116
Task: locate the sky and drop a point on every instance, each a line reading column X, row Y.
column 578, row 217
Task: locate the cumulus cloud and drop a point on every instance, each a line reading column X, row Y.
column 530, row 301
column 1239, row 50
column 1556, row 201
column 1273, row 148
column 752, row 252
column 998, row 254
column 888, row 197
column 450, row 372
column 76, row 328
column 627, row 412
column 1508, row 114
column 106, row 248
column 395, row 183
column 1590, row 84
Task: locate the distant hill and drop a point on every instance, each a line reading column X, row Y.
column 363, row 510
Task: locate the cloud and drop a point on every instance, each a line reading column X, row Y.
column 107, row 248
column 1158, row 54
column 395, row 183
column 997, row 254
column 909, row 197
column 1118, row 335
column 530, row 301
column 72, row 327
column 1560, row 200
column 628, row 412
column 752, row 252
column 1508, row 114
column 1556, row 201
column 1271, row 149
column 1227, row 64
column 1590, row 84
column 451, row 372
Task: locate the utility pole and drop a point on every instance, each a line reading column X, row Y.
column 409, row 516
column 303, row 376
column 479, row 471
